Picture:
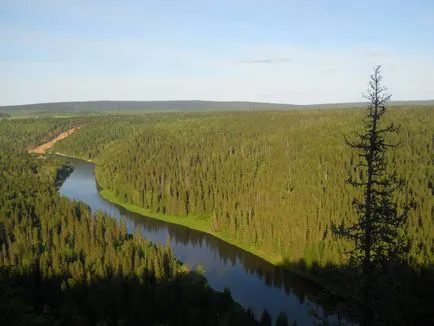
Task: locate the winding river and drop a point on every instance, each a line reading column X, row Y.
column 253, row 282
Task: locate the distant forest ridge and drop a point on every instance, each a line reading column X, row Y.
column 177, row 106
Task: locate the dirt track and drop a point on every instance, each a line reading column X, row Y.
column 44, row 147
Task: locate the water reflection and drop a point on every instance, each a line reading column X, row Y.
column 253, row 282
column 228, row 254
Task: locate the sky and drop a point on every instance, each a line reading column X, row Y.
column 289, row 51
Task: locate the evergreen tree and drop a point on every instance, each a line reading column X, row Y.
column 282, row 319
column 265, row 318
column 378, row 235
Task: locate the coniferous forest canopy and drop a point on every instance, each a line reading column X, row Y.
column 62, row 265
column 272, row 182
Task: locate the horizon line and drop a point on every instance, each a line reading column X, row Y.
column 209, row 101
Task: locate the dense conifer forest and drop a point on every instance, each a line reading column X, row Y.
column 272, row 183
column 275, row 181
column 61, row 264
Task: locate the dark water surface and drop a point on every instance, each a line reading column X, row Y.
column 253, row 282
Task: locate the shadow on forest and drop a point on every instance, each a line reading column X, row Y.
column 210, row 251
column 403, row 295
column 273, row 276
column 185, row 300
column 407, row 300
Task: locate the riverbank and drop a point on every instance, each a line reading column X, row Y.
column 72, row 156
column 199, row 223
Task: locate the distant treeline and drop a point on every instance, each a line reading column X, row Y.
column 171, row 106
column 141, row 106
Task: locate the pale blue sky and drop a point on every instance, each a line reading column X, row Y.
column 273, row 51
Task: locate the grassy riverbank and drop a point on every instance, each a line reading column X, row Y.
column 200, row 223
column 69, row 156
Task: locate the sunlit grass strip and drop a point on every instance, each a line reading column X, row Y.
column 200, row 223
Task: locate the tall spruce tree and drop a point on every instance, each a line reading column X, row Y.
column 378, row 236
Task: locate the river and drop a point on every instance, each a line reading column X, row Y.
column 253, row 282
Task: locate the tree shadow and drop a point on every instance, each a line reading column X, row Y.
column 29, row 299
column 404, row 295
